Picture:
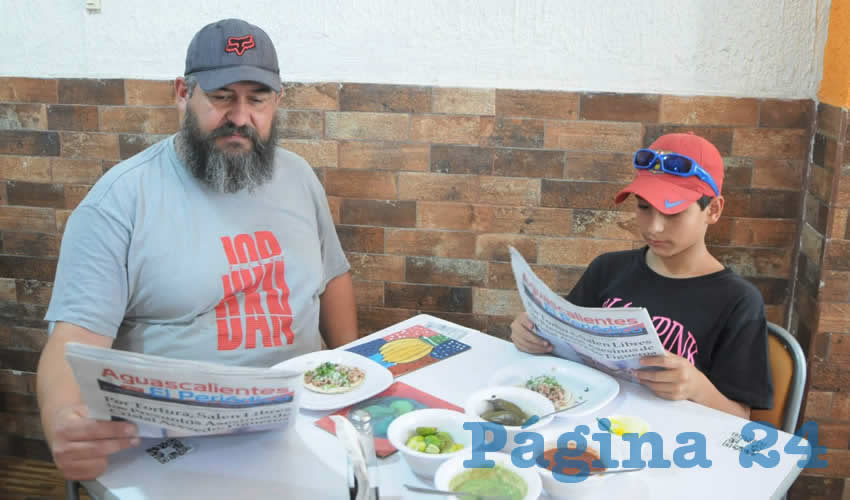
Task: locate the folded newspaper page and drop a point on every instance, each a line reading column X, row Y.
column 165, row 397
column 610, row 339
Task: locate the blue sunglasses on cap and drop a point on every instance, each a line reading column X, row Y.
column 673, row 163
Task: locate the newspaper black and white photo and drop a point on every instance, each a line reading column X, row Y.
column 166, row 397
column 610, row 339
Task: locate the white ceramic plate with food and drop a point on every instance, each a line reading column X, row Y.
column 581, row 384
column 376, row 378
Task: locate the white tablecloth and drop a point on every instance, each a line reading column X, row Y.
column 307, row 462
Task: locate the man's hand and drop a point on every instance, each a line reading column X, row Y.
column 81, row 445
column 678, row 379
column 526, row 340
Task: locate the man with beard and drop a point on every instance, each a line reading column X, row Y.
column 213, row 244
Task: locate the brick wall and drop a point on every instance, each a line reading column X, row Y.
column 57, row 137
column 821, row 303
column 427, row 187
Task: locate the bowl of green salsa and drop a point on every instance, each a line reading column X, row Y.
column 503, row 479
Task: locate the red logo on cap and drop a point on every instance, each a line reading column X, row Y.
column 240, row 44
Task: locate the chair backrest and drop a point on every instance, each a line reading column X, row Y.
column 72, row 490
column 788, row 370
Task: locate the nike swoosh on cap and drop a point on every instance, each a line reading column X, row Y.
column 672, row 204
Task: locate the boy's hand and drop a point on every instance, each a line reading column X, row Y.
column 524, row 339
column 81, row 446
column 679, row 379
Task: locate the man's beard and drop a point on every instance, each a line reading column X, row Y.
column 224, row 171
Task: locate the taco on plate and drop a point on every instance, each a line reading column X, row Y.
column 333, row 378
column 548, row 386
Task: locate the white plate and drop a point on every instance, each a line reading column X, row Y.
column 594, row 387
column 377, row 378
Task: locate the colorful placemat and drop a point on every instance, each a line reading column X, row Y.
column 397, row 400
column 410, row 349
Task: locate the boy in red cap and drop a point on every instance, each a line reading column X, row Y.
column 710, row 319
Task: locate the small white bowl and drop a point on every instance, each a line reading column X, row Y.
column 594, row 486
column 404, row 427
column 532, row 403
column 454, row 466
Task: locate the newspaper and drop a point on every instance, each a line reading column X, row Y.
column 610, row 339
column 165, row 397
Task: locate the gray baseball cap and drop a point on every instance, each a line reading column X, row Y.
column 230, row 51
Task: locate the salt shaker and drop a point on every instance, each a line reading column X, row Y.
column 362, row 422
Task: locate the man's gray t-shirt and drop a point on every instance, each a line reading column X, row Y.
column 157, row 260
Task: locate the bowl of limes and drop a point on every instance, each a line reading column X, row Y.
column 427, row 438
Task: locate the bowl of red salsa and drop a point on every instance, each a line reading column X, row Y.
column 592, row 485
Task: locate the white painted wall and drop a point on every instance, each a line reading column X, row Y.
column 759, row 48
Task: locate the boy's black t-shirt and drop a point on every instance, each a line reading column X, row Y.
column 716, row 321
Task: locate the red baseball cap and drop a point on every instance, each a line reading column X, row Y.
column 671, row 194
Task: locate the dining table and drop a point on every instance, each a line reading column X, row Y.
column 308, row 462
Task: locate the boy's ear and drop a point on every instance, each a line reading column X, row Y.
column 715, row 209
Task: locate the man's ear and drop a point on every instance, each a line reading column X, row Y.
column 715, row 209
column 181, row 94
column 279, row 96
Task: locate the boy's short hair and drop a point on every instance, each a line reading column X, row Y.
column 704, row 201
column 669, row 193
